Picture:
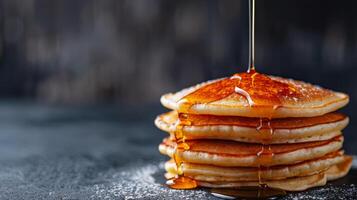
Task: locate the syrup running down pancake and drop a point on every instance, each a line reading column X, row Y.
column 256, row 121
column 254, row 130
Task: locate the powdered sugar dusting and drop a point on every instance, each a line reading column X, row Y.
column 141, row 183
column 84, row 178
column 145, row 181
column 342, row 192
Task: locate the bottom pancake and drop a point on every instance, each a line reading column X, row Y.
column 288, row 184
column 216, row 173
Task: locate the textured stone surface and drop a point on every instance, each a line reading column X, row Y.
column 96, row 153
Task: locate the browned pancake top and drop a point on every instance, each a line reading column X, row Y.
column 259, row 90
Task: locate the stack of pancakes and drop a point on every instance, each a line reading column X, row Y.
column 248, row 138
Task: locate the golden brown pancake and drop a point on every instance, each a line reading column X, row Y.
column 291, row 184
column 230, row 153
column 215, row 173
column 256, row 130
column 298, row 183
column 251, row 129
column 255, row 95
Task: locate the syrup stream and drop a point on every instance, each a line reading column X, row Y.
column 250, row 85
column 251, row 34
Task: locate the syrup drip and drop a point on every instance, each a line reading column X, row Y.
column 265, row 155
column 267, row 132
column 180, row 181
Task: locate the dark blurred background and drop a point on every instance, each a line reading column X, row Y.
column 80, row 82
column 129, row 52
column 132, row 51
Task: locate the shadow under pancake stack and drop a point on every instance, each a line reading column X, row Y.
column 254, row 130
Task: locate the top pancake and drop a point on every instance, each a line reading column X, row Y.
column 255, row 95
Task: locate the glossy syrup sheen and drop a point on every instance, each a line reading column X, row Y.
column 180, row 181
column 257, row 89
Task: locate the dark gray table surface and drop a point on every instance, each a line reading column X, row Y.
column 98, row 152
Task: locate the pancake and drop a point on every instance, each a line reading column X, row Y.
column 214, row 173
column 230, row 153
column 252, row 129
column 255, row 95
column 288, row 130
column 289, row 184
